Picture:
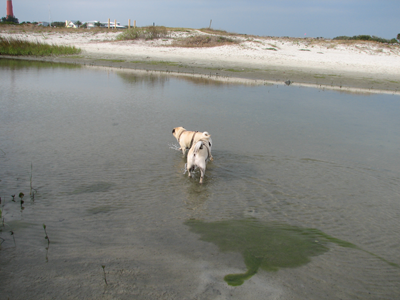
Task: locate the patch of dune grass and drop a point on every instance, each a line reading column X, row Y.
column 146, row 33
column 204, row 41
column 16, row 47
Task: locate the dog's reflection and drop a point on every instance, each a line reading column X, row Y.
column 196, row 195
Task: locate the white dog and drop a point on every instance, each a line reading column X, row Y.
column 187, row 139
column 199, row 155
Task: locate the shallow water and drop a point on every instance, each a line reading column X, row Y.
column 112, row 191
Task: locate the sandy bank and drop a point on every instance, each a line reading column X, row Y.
column 365, row 66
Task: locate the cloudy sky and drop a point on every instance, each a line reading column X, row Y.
column 294, row 18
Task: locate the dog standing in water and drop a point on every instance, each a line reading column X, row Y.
column 199, row 154
column 186, row 139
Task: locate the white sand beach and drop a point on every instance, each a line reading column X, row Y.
column 320, row 62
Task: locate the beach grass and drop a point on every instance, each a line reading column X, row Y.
column 145, row 33
column 204, row 41
column 17, row 47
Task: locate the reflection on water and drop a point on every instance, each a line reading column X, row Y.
column 266, row 246
column 16, row 64
column 112, row 190
column 153, row 78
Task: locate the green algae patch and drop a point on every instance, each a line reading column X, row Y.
column 266, row 246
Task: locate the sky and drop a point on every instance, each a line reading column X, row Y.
column 293, row 18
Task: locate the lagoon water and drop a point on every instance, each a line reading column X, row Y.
column 302, row 200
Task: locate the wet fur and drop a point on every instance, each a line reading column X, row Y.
column 198, row 156
column 185, row 138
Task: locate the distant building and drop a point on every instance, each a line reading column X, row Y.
column 92, row 24
column 43, row 23
column 10, row 12
column 71, row 24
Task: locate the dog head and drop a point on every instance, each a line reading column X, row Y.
column 177, row 131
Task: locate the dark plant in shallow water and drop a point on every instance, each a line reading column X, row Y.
column 12, row 233
column 46, row 237
column 104, row 273
column 48, row 242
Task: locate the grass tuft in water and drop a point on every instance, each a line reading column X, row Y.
column 12, row 233
column 46, row 237
column 104, row 273
column 48, row 243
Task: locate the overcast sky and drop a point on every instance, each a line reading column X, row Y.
column 294, row 18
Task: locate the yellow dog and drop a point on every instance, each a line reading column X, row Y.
column 186, row 139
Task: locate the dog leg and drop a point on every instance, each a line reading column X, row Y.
column 190, row 169
column 183, row 150
column 202, row 171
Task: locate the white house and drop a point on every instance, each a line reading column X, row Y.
column 71, row 24
column 43, row 23
column 91, row 24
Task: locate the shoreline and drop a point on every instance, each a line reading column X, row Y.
column 248, row 77
column 359, row 67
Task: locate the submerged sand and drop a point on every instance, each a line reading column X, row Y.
column 359, row 67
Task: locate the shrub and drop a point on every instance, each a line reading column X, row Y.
column 366, row 38
column 9, row 20
column 204, row 41
column 146, row 33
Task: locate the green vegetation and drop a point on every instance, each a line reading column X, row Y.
column 218, row 32
column 204, row 41
column 112, row 60
column 267, row 246
column 157, row 63
column 235, row 70
column 367, row 38
column 9, row 20
column 157, row 32
column 19, row 47
column 165, row 63
column 145, row 33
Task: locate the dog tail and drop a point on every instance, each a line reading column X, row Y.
column 197, row 147
column 206, row 135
